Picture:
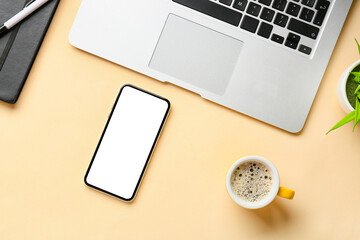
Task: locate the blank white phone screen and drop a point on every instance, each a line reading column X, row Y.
column 127, row 143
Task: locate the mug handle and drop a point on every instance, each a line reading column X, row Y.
column 286, row 193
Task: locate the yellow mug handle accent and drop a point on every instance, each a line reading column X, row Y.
column 286, row 193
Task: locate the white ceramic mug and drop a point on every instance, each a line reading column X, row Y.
column 276, row 190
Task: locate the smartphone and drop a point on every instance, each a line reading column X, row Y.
column 127, row 142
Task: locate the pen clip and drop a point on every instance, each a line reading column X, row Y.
column 29, row 3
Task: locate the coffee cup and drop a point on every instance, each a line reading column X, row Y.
column 253, row 182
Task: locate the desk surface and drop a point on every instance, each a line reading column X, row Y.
column 47, row 140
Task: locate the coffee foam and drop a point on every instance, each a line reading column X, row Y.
column 252, row 181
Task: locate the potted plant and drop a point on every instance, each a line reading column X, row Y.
column 349, row 94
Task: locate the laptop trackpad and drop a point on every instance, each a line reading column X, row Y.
column 195, row 54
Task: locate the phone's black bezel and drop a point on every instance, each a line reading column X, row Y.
column 150, row 153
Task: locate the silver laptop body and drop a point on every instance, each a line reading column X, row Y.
column 262, row 58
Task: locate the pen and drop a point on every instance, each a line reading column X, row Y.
column 29, row 9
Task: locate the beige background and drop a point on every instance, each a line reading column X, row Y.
column 47, row 140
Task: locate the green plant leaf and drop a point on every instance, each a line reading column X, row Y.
column 357, row 45
column 357, row 80
column 356, row 74
column 345, row 120
column 357, row 90
column 357, row 113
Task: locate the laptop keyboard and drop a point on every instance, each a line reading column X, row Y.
column 294, row 24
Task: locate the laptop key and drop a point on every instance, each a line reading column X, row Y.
column 309, row 3
column 303, row 28
column 293, row 38
column 293, row 9
column 266, row 2
column 279, row 4
column 307, row 14
column 240, row 4
column 276, row 38
column 267, row 14
column 212, row 9
column 291, row 44
column 292, row 41
column 322, row 6
column 226, row 2
column 265, row 30
column 253, row 9
column 305, row 49
column 281, row 19
column 249, row 24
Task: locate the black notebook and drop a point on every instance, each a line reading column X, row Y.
column 18, row 48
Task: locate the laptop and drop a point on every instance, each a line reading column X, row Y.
column 262, row 58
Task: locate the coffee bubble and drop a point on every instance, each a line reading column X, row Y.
column 251, row 181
